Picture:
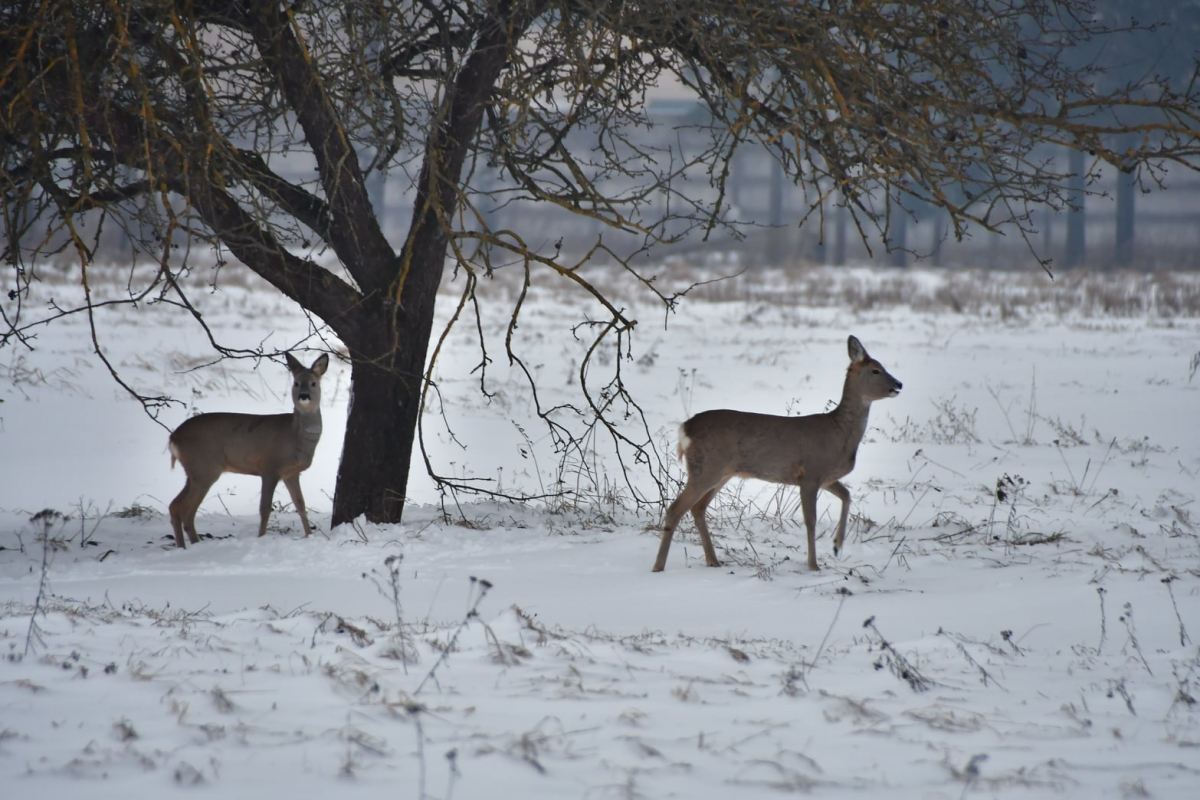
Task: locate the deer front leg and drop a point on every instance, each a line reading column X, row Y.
column 808, row 503
column 293, row 487
column 269, row 482
column 842, row 493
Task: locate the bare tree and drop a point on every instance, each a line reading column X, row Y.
column 259, row 127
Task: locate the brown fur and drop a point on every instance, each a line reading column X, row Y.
column 275, row 447
column 812, row 452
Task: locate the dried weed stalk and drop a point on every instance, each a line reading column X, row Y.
column 897, row 663
column 479, row 589
column 47, row 519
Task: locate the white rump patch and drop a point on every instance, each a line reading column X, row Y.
column 684, row 443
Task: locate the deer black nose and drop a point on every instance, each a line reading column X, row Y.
column 899, row 385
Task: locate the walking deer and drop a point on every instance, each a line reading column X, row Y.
column 811, row 452
column 275, row 447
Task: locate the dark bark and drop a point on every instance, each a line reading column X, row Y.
column 101, row 102
column 380, row 433
column 353, row 228
column 389, row 360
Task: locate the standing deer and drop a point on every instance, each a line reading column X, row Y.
column 812, row 452
column 275, row 447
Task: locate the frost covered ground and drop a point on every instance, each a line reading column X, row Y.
column 1014, row 615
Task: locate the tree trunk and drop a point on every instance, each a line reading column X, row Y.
column 380, row 432
column 386, row 381
column 388, row 348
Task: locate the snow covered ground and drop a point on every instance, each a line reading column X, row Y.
column 1014, row 614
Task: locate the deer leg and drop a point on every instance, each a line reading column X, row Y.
column 184, row 507
column 200, row 489
column 189, row 518
column 682, row 504
column 842, row 493
column 698, row 514
column 177, row 508
column 293, row 487
column 674, row 512
column 808, row 503
column 269, row 482
column 693, row 498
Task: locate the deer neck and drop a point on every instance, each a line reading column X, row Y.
column 307, row 425
column 851, row 414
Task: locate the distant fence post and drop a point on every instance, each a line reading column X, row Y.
column 1046, row 220
column 941, row 230
column 1075, row 197
column 736, row 180
column 1125, row 208
column 777, row 237
column 839, row 233
column 897, row 238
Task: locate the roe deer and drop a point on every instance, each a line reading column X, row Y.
column 811, row 452
column 275, row 447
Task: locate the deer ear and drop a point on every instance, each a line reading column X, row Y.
column 857, row 351
column 292, row 363
column 320, row 365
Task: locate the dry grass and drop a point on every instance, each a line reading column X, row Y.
column 975, row 292
column 989, row 293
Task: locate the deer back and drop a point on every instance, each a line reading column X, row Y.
column 249, row 444
column 282, row 445
column 767, row 447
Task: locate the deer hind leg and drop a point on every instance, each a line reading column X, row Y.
column 269, row 482
column 186, row 504
column 695, row 496
column 177, row 509
column 686, row 499
column 293, row 487
column 699, row 511
column 842, row 493
column 808, row 503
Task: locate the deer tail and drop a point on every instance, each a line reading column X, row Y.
column 684, row 442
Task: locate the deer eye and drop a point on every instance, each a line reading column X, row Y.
column 874, row 372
